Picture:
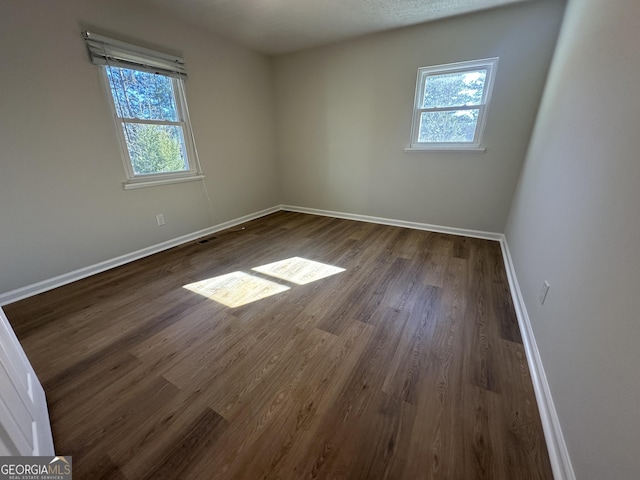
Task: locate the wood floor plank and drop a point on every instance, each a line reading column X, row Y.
column 315, row 399
column 408, row 364
column 102, row 468
column 178, row 458
column 158, row 433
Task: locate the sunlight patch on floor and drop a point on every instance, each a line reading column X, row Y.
column 236, row 289
column 239, row 288
column 298, row 270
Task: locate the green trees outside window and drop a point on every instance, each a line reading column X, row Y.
column 145, row 103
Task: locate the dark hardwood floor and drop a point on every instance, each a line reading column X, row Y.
column 407, row 365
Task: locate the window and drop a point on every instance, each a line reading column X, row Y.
column 146, row 91
column 451, row 105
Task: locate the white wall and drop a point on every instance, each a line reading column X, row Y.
column 344, row 118
column 575, row 221
column 62, row 205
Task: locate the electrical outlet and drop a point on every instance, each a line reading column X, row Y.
column 543, row 292
column 160, row 219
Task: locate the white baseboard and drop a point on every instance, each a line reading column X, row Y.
column 396, row 223
column 60, row 280
column 558, row 453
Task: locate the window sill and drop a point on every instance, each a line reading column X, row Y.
column 133, row 184
column 457, row 148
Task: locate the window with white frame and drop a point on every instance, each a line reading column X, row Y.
column 146, row 91
column 450, row 107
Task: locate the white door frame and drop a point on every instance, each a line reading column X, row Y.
column 24, row 419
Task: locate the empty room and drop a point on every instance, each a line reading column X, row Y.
column 320, row 240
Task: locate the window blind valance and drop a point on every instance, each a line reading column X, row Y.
column 108, row 51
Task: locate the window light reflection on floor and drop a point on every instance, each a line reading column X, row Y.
column 298, row 270
column 236, row 289
column 239, row 288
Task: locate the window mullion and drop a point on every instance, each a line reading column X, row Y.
column 451, row 109
column 151, row 122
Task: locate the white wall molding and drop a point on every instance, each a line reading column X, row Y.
column 60, row 280
column 556, row 445
column 558, row 453
column 396, row 223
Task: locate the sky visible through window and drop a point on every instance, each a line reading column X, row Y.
column 456, row 89
column 141, row 99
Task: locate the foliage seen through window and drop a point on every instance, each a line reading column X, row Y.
column 451, row 102
column 145, row 104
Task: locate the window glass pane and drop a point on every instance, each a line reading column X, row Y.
column 449, row 126
column 142, row 95
column 155, row 148
column 454, row 89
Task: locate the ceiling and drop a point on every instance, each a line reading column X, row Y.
column 284, row 26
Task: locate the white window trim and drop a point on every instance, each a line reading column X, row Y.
column 151, row 180
column 161, row 181
column 107, row 52
column 490, row 64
